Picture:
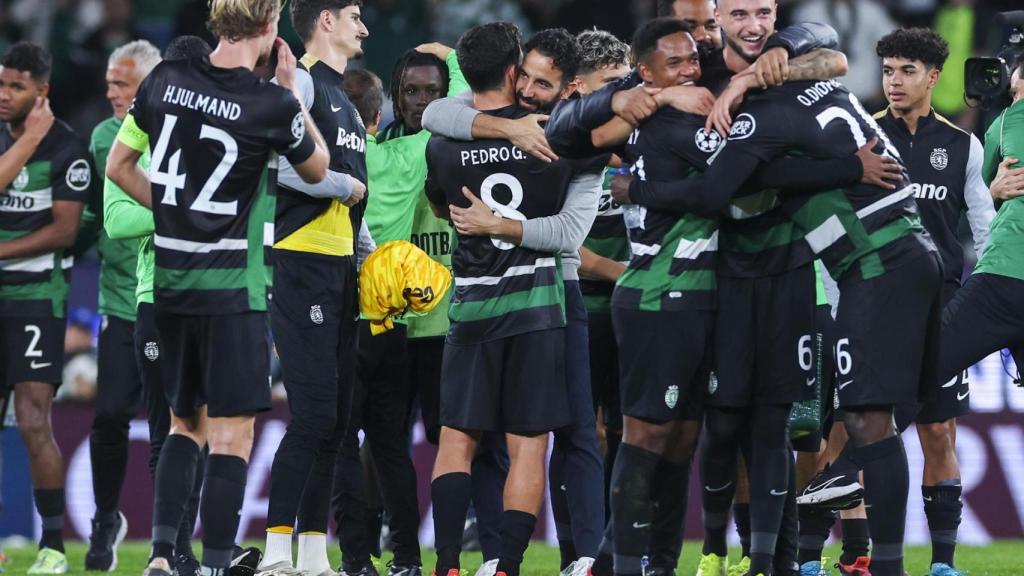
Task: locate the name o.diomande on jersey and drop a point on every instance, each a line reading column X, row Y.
column 492, row 155
column 208, row 104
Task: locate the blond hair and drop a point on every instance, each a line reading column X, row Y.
column 240, row 19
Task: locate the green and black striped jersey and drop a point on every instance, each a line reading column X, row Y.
column 59, row 170
column 501, row 289
column 855, row 227
column 215, row 134
column 673, row 261
column 607, row 238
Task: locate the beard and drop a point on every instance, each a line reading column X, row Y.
column 535, row 104
column 749, row 58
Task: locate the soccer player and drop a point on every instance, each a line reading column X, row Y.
column 118, row 384
column 126, row 220
column 945, row 164
column 396, row 168
column 40, row 213
column 314, row 306
column 508, row 311
column 548, row 75
column 214, row 130
column 873, row 243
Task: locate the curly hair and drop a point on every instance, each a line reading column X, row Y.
column 600, row 49
column 485, row 52
column 561, row 47
column 411, row 59
column 915, row 44
column 31, row 58
column 240, row 19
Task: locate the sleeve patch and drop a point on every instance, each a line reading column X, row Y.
column 743, row 127
column 79, row 175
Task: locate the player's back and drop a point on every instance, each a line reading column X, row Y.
column 500, row 289
column 214, row 134
column 823, row 119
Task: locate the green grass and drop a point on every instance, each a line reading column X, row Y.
column 1000, row 559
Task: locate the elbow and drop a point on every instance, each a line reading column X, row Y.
column 317, row 170
column 842, row 65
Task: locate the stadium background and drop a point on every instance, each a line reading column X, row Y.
column 82, row 33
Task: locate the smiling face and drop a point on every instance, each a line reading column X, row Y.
column 907, row 83
column 123, row 80
column 540, row 85
column 421, row 85
column 746, row 24
column 18, row 93
column 675, row 62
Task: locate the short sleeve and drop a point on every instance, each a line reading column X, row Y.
column 72, row 174
column 131, row 135
column 698, row 144
column 289, row 137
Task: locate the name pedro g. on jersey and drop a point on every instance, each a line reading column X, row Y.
column 59, row 170
column 673, row 262
column 500, row 289
column 213, row 221
column 863, row 225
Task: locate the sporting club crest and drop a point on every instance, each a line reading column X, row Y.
column 672, row 396
column 315, row 314
column 939, row 159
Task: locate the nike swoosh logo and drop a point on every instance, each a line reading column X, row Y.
column 845, row 384
column 37, row 365
column 964, row 395
column 778, row 493
column 811, row 381
column 333, row 109
column 638, row 525
column 719, row 489
column 927, row 498
column 822, row 486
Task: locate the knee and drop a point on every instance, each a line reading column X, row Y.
column 936, row 438
column 34, row 428
column 233, row 437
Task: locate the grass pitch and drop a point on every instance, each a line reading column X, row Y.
column 1000, row 559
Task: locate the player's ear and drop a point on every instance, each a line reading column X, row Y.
column 644, row 71
column 933, row 77
column 570, row 88
column 44, row 89
column 326, row 20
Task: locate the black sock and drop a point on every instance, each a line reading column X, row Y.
column 815, row 525
column 631, row 506
column 718, row 474
column 108, row 451
column 223, row 495
column 787, row 547
column 183, row 542
column 887, row 478
column 604, row 563
column 50, row 505
column 560, row 507
column 671, row 490
column 175, row 479
column 741, row 517
column 449, row 494
column 768, row 468
column 516, row 529
column 613, row 439
column 856, row 538
column 942, row 506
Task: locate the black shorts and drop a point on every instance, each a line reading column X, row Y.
column 515, row 384
column 887, row 336
column 424, row 373
column 664, row 363
column 32, row 350
column 824, row 372
column 604, row 367
column 764, row 335
column 220, row 361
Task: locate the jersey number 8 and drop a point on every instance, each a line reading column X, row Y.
column 510, row 210
column 172, row 181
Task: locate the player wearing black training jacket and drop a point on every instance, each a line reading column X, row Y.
column 214, row 130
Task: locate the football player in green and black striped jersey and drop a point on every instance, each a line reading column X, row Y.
column 40, row 211
column 214, row 130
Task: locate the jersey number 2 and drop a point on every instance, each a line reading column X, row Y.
column 172, row 181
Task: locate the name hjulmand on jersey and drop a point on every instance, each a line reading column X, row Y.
column 207, row 104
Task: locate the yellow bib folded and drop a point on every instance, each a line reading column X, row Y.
column 399, row 278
